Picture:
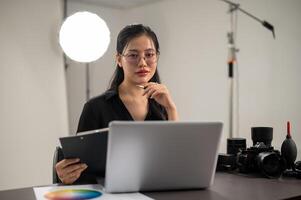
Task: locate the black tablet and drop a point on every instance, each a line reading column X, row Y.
column 90, row 147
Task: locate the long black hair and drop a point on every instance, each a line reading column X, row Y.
column 124, row 37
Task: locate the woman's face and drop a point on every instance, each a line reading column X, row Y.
column 139, row 60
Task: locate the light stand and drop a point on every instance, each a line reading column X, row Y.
column 232, row 62
column 235, row 6
column 88, row 81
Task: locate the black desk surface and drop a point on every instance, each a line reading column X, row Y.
column 226, row 186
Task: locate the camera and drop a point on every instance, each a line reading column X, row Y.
column 261, row 157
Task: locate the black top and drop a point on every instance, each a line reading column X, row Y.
column 99, row 111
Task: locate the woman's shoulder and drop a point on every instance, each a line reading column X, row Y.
column 102, row 98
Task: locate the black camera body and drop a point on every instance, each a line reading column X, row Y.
column 261, row 158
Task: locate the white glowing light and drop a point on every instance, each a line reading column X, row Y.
column 84, row 37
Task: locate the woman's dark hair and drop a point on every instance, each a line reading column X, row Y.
column 124, row 37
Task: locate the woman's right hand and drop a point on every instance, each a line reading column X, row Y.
column 69, row 170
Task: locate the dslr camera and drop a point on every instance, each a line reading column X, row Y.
column 259, row 158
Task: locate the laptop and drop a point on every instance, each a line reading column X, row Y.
column 161, row 155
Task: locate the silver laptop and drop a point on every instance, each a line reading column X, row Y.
column 161, row 155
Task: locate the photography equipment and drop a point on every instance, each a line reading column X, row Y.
column 262, row 134
column 261, row 157
column 294, row 172
column 298, row 165
column 289, row 149
column 227, row 162
column 234, row 145
column 289, row 153
column 233, row 64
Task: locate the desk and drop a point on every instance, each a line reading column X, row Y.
column 226, row 186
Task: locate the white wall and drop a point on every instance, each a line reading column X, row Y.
column 193, row 59
column 33, row 103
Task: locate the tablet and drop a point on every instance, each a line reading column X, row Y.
column 90, row 147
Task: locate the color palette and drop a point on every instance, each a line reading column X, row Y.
column 72, row 194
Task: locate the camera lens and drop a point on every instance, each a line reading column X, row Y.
column 270, row 164
column 234, row 145
column 262, row 134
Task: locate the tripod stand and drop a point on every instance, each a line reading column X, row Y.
column 233, row 66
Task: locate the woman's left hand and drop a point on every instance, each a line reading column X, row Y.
column 160, row 94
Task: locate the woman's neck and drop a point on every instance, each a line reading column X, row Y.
column 128, row 89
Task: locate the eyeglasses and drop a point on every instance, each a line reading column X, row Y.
column 134, row 58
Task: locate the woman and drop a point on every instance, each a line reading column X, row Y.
column 135, row 92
